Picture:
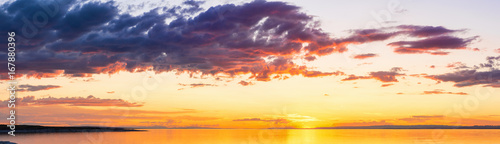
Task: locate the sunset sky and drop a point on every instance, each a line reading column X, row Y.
column 254, row 64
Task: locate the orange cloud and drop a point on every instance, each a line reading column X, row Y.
column 386, row 85
column 365, row 56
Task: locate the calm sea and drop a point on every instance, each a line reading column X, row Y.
column 268, row 136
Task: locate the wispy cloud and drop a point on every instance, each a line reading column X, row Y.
column 386, row 85
column 423, row 120
column 281, row 119
column 275, row 121
column 365, row 56
column 31, row 88
column 433, row 45
column 440, row 91
column 75, row 101
column 364, row 123
column 196, row 85
column 116, row 116
column 383, row 76
column 430, row 39
column 245, row 83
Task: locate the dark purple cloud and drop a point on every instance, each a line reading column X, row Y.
column 432, row 45
column 431, row 39
column 386, row 33
column 427, row 31
column 465, row 78
column 232, row 39
column 369, row 35
column 93, row 38
column 486, row 74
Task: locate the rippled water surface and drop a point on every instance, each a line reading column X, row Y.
column 257, row 136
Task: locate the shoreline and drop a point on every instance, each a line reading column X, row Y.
column 54, row 129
